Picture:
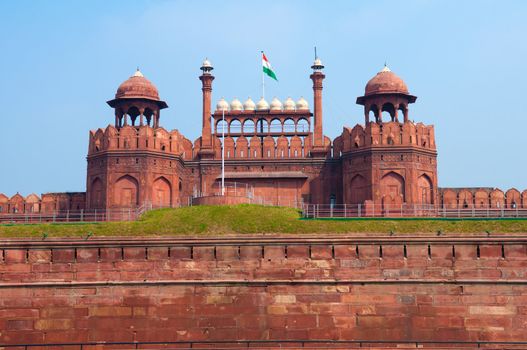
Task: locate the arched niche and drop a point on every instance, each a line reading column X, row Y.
column 357, row 190
column 481, row 199
column 161, row 193
column 465, row 199
column 96, row 194
column 392, row 184
column 126, row 192
column 425, row 190
column 513, row 199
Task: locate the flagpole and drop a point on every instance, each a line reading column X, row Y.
column 263, row 79
column 223, row 153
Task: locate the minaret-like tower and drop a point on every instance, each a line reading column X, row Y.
column 137, row 98
column 318, row 140
column 206, row 150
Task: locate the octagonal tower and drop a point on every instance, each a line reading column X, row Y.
column 387, row 160
column 136, row 162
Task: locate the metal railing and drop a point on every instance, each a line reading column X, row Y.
column 234, row 189
column 406, row 210
column 81, row 215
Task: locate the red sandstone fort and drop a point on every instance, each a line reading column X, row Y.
column 319, row 291
column 276, row 149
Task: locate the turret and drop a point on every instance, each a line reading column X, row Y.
column 137, row 98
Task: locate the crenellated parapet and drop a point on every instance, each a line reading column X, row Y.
column 46, row 203
column 482, row 198
column 145, row 138
column 389, row 134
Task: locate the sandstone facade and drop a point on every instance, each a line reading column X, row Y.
column 278, row 149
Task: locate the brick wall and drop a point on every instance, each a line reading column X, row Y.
column 264, row 289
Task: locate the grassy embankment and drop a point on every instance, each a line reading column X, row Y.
column 252, row 219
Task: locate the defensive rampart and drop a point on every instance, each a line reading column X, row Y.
column 250, row 288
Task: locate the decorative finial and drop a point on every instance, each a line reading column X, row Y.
column 138, row 73
column 206, row 66
column 385, row 68
column 317, row 65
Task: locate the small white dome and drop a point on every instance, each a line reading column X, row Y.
column 262, row 105
column 289, row 104
column 236, row 105
column 249, row 105
column 276, row 105
column 206, row 64
column 222, row 105
column 302, row 104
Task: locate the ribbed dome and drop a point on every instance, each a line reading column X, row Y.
column 385, row 82
column 236, row 105
column 262, row 105
column 249, row 105
column 276, row 105
column 222, row 105
column 289, row 104
column 137, row 86
column 302, row 104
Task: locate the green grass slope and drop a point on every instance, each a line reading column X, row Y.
column 253, row 219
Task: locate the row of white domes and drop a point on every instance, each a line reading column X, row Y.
column 262, row 105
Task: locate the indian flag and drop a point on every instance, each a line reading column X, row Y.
column 267, row 67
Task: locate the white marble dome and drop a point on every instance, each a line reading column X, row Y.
column 289, row 104
column 249, row 105
column 222, row 105
column 262, row 105
column 302, row 104
column 236, row 105
column 276, row 105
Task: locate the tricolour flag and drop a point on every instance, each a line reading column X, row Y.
column 267, row 67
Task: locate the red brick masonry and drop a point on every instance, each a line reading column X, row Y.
column 328, row 288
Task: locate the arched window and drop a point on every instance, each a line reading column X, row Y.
column 276, row 125
column 302, row 125
column 220, row 125
column 289, row 125
column 248, row 126
column 236, row 126
column 262, row 126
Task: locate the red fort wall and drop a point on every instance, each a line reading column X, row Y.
column 316, row 288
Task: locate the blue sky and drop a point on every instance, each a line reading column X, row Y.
column 61, row 60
